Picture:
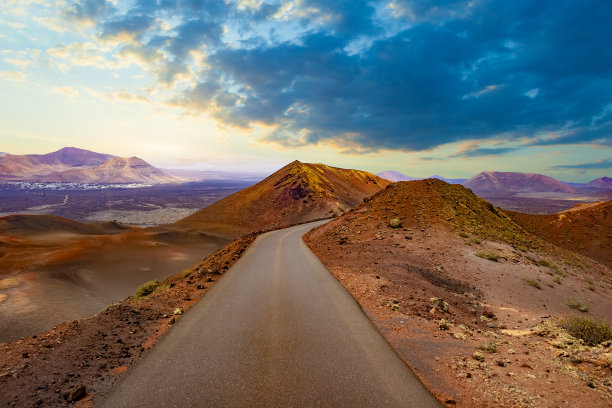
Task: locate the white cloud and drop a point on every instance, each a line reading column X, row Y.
column 116, row 96
column 14, row 76
column 68, row 91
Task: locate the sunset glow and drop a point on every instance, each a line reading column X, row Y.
column 455, row 89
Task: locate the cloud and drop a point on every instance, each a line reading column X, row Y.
column 401, row 75
column 68, row 91
column 13, row 76
column 598, row 164
column 82, row 54
column 88, row 12
column 116, row 96
column 484, row 151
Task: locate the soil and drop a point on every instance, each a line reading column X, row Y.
column 584, row 228
column 52, row 368
column 419, row 244
column 54, row 270
column 544, row 203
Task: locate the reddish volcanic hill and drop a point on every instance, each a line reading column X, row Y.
column 457, row 287
column 298, row 192
column 585, row 228
column 502, row 182
column 425, row 203
column 72, row 165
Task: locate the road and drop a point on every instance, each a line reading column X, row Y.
column 277, row 330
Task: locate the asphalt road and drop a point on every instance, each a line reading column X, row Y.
column 277, row 330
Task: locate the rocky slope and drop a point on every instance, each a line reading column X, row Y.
column 469, row 298
column 298, row 192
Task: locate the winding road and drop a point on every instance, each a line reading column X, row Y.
column 277, row 330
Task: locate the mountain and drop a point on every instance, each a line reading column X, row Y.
column 502, row 182
column 115, row 170
column 584, row 228
column 72, row 165
column 603, row 183
column 73, row 157
column 208, row 175
column 298, row 192
column 396, row 176
column 449, row 181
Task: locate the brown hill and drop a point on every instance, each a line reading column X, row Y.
column 585, row 228
column 115, row 170
column 503, row 182
column 451, row 281
column 72, row 165
column 298, row 192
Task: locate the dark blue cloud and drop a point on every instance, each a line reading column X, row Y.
column 88, row 10
column 600, row 164
column 484, row 151
column 131, row 25
column 418, row 76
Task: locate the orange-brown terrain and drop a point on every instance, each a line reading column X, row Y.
column 443, row 274
column 74, row 363
column 53, row 269
column 470, row 299
column 34, row 244
column 584, row 228
column 297, row 193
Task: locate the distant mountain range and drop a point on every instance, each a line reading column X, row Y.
column 604, row 183
column 395, row 176
column 510, row 182
column 72, row 165
column 208, row 175
column 499, row 182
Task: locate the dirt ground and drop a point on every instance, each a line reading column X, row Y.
column 52, row 277
column 75, row 362
column 498, row 344
column 584, row 228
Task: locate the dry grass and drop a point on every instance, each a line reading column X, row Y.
column 147, row 288
column 591, row 331
column 490, row 256
column 533, row 282
column 577, row 305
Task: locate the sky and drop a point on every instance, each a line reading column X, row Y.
column 422, row 87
